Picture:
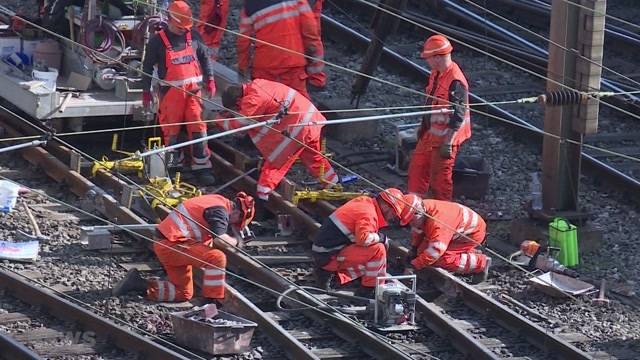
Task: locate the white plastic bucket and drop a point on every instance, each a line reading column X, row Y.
column 49, row 77
column 8, row 195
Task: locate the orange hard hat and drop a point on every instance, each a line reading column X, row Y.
column 529, row 247
column 247, row 208
column 393, row 197
column 412, row 204
column 180, row 14
column 436, row 45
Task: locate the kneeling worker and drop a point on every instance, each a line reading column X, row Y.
column 348, row 242
column 188, row 242
column 445, row 234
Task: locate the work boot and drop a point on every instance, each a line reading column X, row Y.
column 323, row 279
column 482, row 276
column 365, row 292
column 262, row 213
column 204, row 177
column 133, row 281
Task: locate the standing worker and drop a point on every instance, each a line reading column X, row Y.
column 278, row 25
column 279, row 144
column 188, row 242
column 182, row 60
column 440, row 135
column 445, row 234
column 315, row 68
column 350, row 245
column 213, row 12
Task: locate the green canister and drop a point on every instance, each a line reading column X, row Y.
column 564, row 236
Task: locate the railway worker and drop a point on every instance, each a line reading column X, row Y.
column 349, row 244
column 213, row 12
column 315, row 68
column 284, row 30
column 182, row 62
column 445, row 234
column 279, row 144
column 190, row 235
column 440, row 135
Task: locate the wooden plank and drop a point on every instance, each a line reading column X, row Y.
column 37, row 335
column 274, row 243
column 277, row 259
column 64, row 350
column 12, row 317
column 575, row 337
column 331, row 353
column 310, row 334
column 142, row 266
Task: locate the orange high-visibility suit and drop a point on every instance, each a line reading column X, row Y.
column 287, row 25
column 440, row 244
column 315, row 68
column 349, row 243
column 182, row 73
column 428, row 169
column 264, row 97
column 187, row 243
column 213, row 12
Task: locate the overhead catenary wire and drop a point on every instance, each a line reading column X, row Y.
column 350, row 171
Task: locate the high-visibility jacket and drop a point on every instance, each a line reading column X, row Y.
column 186, row 222
column 265, row 97
column 356, row 222
column 438, row 88
column 183, row 69
column 446, row 223
column 287, row 24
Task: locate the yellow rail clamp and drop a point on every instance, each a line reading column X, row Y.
column 325, row 194
column 168, row 193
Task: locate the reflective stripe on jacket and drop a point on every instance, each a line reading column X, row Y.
column 446, row 224
column 286, row 24
column 358, row 221
column 183, row 69
column 186, row 221
column 439, row 123
column 265, row 97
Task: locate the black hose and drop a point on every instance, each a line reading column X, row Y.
column 110, row 33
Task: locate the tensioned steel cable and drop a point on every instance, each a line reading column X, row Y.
column 572, row 51
column 372, row 183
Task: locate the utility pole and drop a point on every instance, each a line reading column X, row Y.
column 581, row 30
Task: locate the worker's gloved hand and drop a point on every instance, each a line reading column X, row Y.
column 446, row 151
column 211, row 88
column 413, row 253
column 146, row 100
column 384, row 239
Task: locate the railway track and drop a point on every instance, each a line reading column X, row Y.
column 473, row 325
column 621, row 170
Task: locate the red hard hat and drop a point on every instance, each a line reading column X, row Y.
column 247, row 208
column 436, row 45
column 393, row 197
column 412, row 204
column 180, row 14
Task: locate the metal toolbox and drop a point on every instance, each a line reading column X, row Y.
column 232, row 336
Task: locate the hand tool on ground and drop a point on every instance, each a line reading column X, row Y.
column 36, row 234
column 537, row 260
column 334, row 194
column 601, row 300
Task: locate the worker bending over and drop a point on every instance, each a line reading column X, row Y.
column 190, row 235
column 445, row 234
column 279, row 144
column 440, row 135
column 213, row 17
column 182, row 60
column 350, row 245
column 284, row 31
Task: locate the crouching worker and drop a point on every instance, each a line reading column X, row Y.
column 189, row 241
column 349, row 244
column 445, row 234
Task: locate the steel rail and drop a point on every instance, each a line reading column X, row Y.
column 63, row 309
column 409, row 67
column 13, row 350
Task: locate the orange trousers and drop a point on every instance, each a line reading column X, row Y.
column 353, row 262
column 461, row 256
column 295, row 77
column 178, row 258
column 428, row 170
column 213, row 12
column 315, row 69
column 178, row 107
column 271, row 176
